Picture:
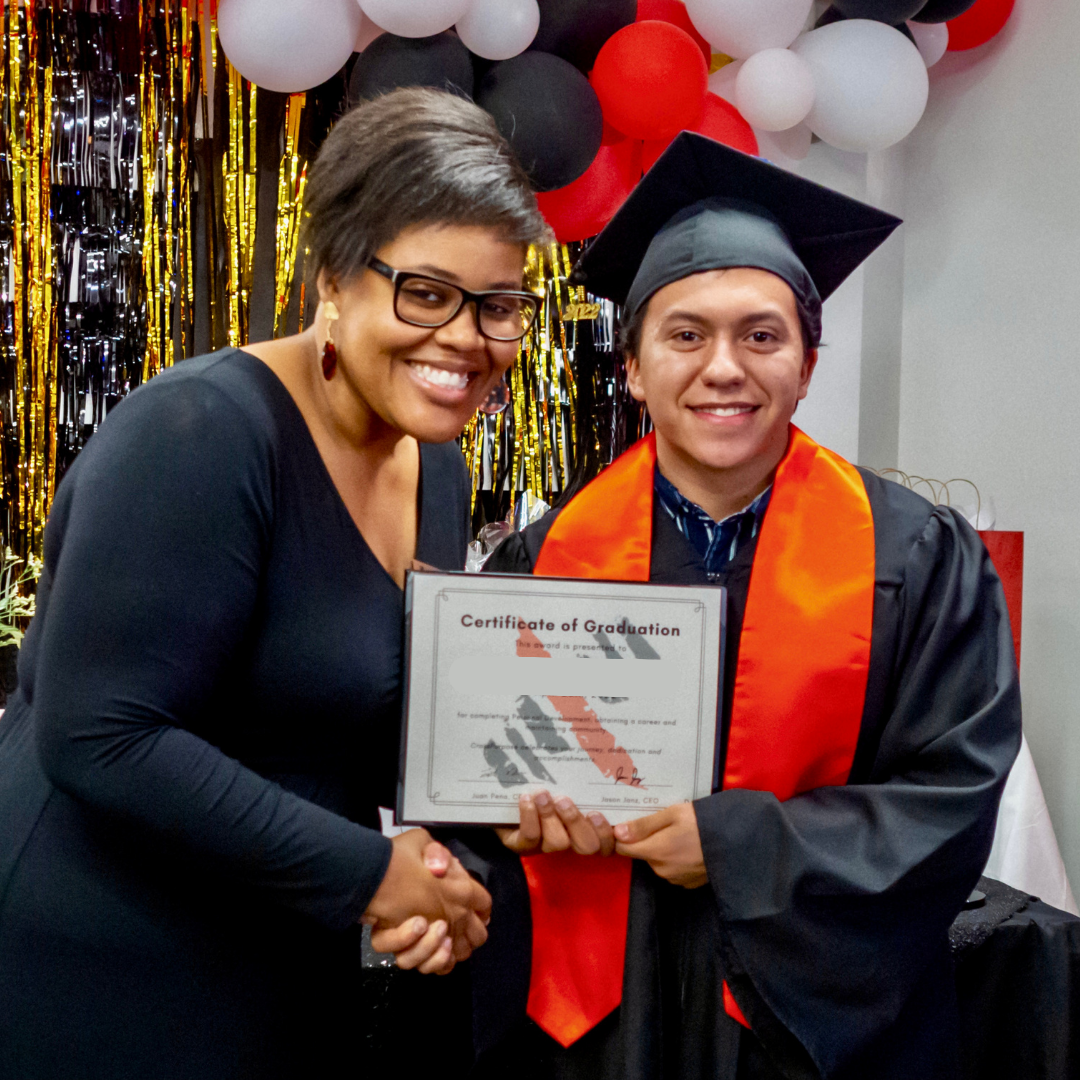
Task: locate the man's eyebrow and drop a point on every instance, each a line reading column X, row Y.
column 685, row 316
column 678, row 315
column 764, row 314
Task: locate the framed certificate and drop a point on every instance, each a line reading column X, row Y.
column 603, row 691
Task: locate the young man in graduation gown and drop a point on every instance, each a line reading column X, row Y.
column 794, row 923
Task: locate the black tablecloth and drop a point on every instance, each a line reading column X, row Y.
column 1019, row 995
column 1017, row 978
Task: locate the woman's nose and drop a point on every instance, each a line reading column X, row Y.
column 461, row 332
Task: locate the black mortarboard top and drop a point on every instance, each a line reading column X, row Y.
column 704, row 206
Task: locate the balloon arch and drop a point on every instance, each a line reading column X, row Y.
column 589, row 92
column 152, row 206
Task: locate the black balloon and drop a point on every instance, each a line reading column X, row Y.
column 577, row 29
column 441, row 61
column 829, row 15
column 480, row 67
column 886, row 11
column 833, row 14
column 942, row 10
column 549, row 113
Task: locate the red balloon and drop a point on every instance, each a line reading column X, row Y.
column 583, row 208
column 651, row 80
column 674, row 12
column 721, row 121
column 978, row 24
column 611, row 135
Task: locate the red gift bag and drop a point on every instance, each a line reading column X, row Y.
column 1007, row 554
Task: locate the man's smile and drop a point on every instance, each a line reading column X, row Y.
column 725, row 411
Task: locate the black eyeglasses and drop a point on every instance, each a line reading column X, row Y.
column 429, row 302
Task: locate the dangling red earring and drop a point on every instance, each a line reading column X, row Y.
column 329, row 360
column 329, row 352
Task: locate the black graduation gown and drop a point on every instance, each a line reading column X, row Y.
column 827, row 914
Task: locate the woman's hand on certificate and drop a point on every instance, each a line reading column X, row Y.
column 428, row 911
column 669, row 842
column 556, row 824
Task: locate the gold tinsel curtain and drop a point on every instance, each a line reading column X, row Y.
column 150, row 209
column 564, row 412
column 129, row 194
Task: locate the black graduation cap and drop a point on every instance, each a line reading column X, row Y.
column 704, row 206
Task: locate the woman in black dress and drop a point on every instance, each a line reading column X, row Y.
column 208, row 711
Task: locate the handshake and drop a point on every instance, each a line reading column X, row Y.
column 429, row 912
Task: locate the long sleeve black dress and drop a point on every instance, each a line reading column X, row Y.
column 207, row 720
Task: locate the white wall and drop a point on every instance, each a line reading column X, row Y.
column 955, row 351
column 990, row 375
column 830, row 413
column 853, row 406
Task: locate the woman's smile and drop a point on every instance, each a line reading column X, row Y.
column 443, row 379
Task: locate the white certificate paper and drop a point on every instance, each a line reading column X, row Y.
column 603, row 691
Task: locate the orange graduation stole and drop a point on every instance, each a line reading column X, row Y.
column 800, row 684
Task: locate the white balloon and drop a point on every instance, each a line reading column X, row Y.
column 774, row 89
column 288, row 45
column 499, row 29
column 722, row 82
column 415, row 18
column 741, row 28
column 367, row 33
column 932, row 40
column 871, row 84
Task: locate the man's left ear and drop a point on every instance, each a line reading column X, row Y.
column 810, row 359
column 633, row 377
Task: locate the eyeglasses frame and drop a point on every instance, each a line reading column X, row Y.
column 398, row 278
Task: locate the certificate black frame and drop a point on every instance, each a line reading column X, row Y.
column 407, row 688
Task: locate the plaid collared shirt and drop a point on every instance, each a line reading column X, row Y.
column 715, row 541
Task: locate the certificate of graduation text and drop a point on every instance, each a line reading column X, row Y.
column 603, row 691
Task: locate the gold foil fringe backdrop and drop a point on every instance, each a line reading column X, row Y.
column 96, row 227
column 239, row 178
column 150, row 207
column 563, row 412
column 166, row 83
column 27, row 457
column 521, row 440
column 242, row 114
column 128, row 219
column 292, row 177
